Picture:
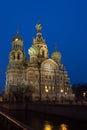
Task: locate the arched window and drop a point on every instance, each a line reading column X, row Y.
column 13, row 56
column 18, row 56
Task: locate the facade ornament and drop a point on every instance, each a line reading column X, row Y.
column 38, row 27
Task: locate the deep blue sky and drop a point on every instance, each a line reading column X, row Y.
column 63, row 22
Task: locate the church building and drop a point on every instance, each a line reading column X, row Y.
column 39, row 78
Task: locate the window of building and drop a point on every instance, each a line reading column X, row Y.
column 49, row 76
column 61, row 78
column 49, row 88
column 14, row 56
column 46, row 76
column 45, row 87
column 18, row 56
column 36, row 76
column 53, row 88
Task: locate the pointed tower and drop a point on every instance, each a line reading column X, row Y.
column 56, row 55
column 17, row 54
column 15, row 71
column 39, row 46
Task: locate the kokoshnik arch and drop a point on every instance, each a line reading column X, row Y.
column 40, row 77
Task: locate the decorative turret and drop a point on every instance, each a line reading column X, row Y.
column 56, row 56
column 39, row 39
column 38, row 28
column 39, row 43
column 33, row 52
column 17, row 55
column 17, row 42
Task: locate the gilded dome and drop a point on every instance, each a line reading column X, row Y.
column 56, row 55
column 17, row 42
column 33, row 50
column 17, row 38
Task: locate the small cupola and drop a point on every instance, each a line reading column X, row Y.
column 56, row 56
column 17, row 42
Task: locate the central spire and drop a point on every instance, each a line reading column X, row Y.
column 38, row 27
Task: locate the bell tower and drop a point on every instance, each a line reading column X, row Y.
column 15, row 71
column 17, row 54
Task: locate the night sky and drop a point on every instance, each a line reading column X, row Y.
column 64, row 22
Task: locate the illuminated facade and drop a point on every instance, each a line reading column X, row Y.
column 41, row 77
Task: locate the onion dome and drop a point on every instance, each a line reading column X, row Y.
column 17, row 37
column 17, row 41
column 56, row 55
column 33, row 50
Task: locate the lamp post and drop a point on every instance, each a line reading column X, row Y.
column 46, row 94
column 62, row 95
column 84, row 95
column 65, row 96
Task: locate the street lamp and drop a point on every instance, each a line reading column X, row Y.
column 61, row 90
column 84, row 95
column 46, row 90
column 63, row 127
column 65, row 96
column 62, row 95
